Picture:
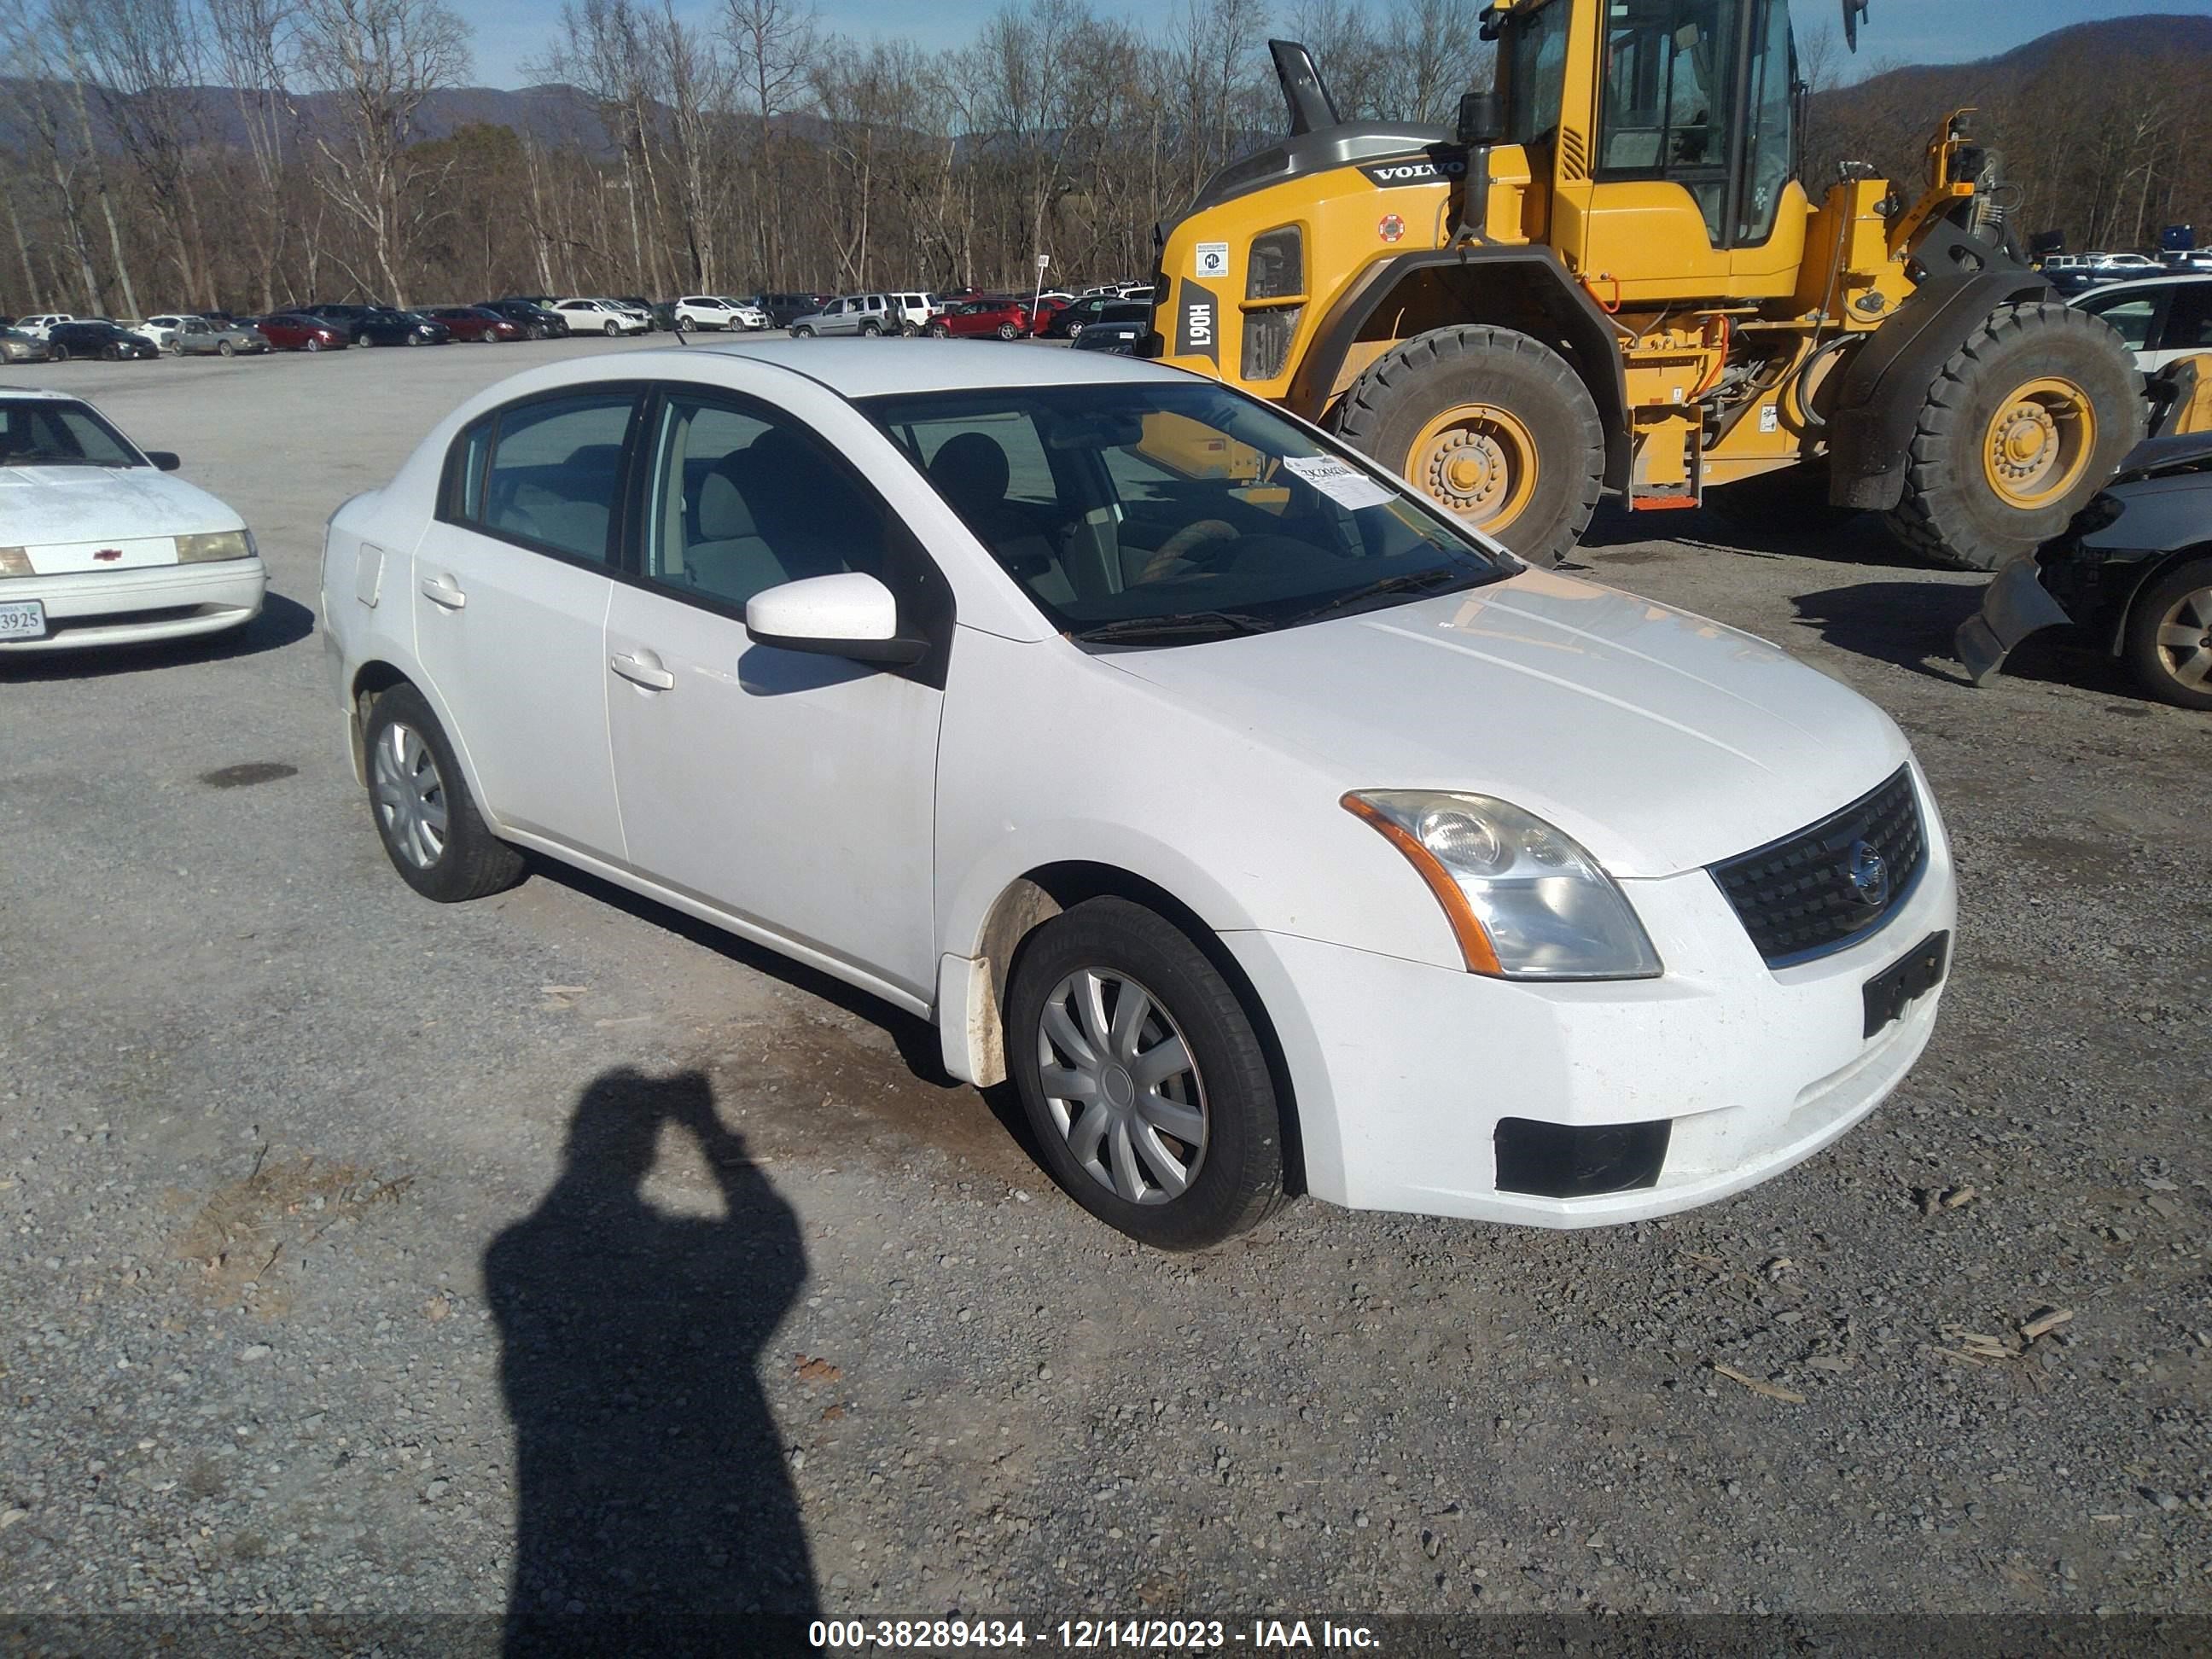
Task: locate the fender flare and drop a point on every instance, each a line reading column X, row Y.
column 1565, row 303
column 1885, row 382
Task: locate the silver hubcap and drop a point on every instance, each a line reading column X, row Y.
column 2184, row 641
column 1122, row 1086
column 411, row 796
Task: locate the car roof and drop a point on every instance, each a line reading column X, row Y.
column 2137, row 285
column 874, row 368
column 45, row 394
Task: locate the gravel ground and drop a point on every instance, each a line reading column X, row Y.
column 368, row 1255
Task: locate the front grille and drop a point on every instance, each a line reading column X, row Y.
column 1829, row 886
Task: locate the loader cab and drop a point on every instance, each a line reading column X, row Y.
column 1668, row 130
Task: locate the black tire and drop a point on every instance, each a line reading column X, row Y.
column 112, row 352
column 1008, row 331
column 938, row 331
column 870, row 329
column 1421, row 379
column 1238, row 1180
column 611, row 329
column 224, row 349
column 801, row 331
column 311, row 345
column 362, row 340
column 1952, row 514
column 2170, row 669
column 471, row 862
column 58, row 353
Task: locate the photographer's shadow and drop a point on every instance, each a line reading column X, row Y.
column 651, row 1477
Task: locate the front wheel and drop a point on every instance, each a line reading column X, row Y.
column 1143, row 1077
column 612, row 328
column 362, row 340
column 2169, row 637
column 1492, row 426
column 2027, row 421
column 311, row 344
column 58, row 353
column 112, row 353
column 430, row 828
column 801, row 331
column 223, row 347
column 938, row 331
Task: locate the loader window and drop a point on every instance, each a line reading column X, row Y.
column 1770, row 150
column 1666, row 108
column 1535, row 72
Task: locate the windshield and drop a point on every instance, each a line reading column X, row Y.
column 1532, row 64
column 1161, row 512
column 41, row 432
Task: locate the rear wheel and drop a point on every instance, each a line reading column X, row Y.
column 1143, row 1078
column 2169, row 637
column 2028, row 419
column 1008, row 331
column 430, row 828
column 1492, row 426
column 361, row 340
column 870, row 330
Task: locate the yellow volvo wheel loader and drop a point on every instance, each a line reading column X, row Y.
column 1607, row 276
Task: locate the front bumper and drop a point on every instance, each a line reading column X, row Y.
column 2015, row 605
column 142, row 606
column 1403, row 1072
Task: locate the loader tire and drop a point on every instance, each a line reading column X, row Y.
column 2026, row 421
column 1492, row 426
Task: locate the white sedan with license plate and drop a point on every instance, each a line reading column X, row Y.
column 100, row 544
column 1271, row 832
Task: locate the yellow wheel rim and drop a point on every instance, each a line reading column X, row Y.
column 2039, row 443
column 1478, row 461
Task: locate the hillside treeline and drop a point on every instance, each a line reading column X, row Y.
column 247, row 154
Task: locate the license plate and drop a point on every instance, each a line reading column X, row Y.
column 22, row 619
column 1890, row 992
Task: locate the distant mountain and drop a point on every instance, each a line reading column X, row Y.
column 2114, row 42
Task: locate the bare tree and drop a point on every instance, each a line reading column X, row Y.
column 380, row 60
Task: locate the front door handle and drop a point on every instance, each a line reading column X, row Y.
column 642, row 668
column 445, row 590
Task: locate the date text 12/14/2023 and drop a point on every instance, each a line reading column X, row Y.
column 1148, row 1635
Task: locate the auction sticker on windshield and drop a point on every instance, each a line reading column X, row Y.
column 23, row 619
column 1339, row 482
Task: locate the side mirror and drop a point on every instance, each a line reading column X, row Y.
column 848, row 615
column 164, row 460
column 1481, row 118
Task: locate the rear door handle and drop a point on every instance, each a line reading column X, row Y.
column 444, row 590
column 642, row 668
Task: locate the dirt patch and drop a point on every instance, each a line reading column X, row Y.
column 824, row 1092
column 246, row 774
column 242, row 1231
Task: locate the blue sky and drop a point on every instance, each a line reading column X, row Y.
column 508, row 32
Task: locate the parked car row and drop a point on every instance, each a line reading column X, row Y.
column 967, row 314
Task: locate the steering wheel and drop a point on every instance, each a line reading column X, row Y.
column 1179, row 546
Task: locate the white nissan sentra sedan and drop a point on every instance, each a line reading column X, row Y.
column 99, row 546
column 1272, row 832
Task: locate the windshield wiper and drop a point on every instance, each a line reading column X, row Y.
column 1410, row 581
column 1215, row 623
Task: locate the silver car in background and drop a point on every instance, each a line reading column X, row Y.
column 197, row 336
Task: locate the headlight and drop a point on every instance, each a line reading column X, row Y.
column 1524, row 901
column 221, row 545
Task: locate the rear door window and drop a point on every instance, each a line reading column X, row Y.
column 548, row 473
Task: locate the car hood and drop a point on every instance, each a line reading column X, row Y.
column 1659, row 740
column 56, row 505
